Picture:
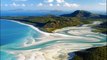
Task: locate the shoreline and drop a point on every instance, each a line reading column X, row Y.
column 48, row 50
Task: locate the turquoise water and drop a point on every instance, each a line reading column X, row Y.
column 7, row 56
column 11, row 33
column 14, row 34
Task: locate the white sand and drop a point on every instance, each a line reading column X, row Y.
column 51, row 52
column 59, row 50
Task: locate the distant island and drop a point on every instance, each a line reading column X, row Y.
column 50, row 23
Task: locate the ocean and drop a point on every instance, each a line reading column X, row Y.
column 12, row 34
column 20, row 41
column 33, row 13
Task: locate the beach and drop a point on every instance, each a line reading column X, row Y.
column 56, row 45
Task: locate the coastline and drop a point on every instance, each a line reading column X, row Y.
column 51, row 36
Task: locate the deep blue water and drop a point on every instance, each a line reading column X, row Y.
column 13, row 32
column 33, row 13
column 39, row 12
column 12, row 13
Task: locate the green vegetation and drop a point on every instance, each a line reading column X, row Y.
column 77, row 58
column 50, row 23
column 102, row 28
column 99, row 53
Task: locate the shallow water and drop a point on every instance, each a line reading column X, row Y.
column 19, row 41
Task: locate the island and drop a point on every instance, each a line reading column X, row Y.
column 78, row 18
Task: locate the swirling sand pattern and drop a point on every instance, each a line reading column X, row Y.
column 53, row 46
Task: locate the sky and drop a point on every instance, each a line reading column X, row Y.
column 95, row 5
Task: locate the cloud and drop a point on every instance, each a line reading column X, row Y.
column 49, row 1
column 60, row 1
column 14, row 4
column 57, row 4
column 23, row 5
column 57, row 1
column 50, row 4
column 71, row 5
column 103, row 4
column 20, row 0
column 40, row 4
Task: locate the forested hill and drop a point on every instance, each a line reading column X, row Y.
column 77, row 18
column 86, row 14
column 49, row 23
